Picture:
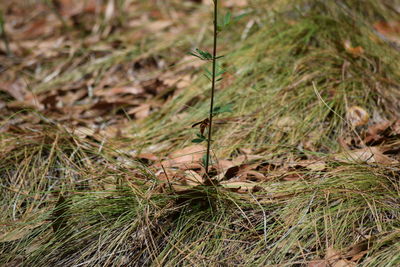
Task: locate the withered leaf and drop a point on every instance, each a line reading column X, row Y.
column 203, row 125
column 365, row 155
column 186, row 156
column 231, row 172
column 354, row 51
column 390, row 30
column 357, row 116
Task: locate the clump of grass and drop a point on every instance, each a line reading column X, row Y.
column 284, row 223
column 272, row 72
column 37, row 167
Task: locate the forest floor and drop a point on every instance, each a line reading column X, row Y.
column 97, row 163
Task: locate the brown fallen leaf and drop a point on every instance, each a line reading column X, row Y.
column 187, row 155
column 253, row 176
column 318, row 263
column 69, row 8
column 239, row 160
column 257, row 188
column 167, row 175
column 141, row 111
column 20, row 105
column 202, row 125
column 193, row 178
column 242, row 172
column 396, row 128
column 157, row 26
column 365, row 155
column 133, row 90
column 390, row 30
column 239, row 187
column 82, row 131
column 292, row 177
column 335, row 259
column 374, row 131
column 176, row 80
column 354, row 51
column 38, row 28
column 313, row 165
column 223, row 165
column 358, row 251
column 220, row 168
column 15, row 89
column 357, row 116
column 231, row 172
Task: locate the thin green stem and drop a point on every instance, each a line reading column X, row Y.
column 214, row 64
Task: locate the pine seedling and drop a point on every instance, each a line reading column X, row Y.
column 214, row 75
